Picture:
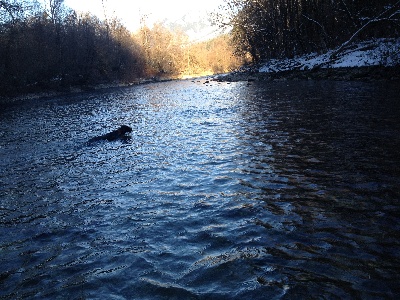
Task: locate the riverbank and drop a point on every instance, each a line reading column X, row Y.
column 367, row 61
column 371, row 73
column 375, row 60
column 59, row 91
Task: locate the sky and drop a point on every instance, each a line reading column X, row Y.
column 130, row 12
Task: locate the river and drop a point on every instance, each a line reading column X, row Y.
column 280, row 190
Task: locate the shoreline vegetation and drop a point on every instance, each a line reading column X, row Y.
column 47, row 47
column 52, row 50
column 375, row 60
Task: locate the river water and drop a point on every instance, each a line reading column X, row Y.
column 282, row 190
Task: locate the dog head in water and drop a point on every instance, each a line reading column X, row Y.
column 124, row 129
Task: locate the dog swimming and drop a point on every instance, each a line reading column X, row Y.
column 113, row 135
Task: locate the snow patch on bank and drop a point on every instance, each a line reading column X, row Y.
column 379, row 52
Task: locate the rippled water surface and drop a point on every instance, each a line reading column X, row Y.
column 285, row 190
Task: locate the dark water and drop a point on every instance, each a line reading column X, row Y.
column 277, row 191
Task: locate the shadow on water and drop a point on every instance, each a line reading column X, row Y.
column 334, row 185
column 284, row 190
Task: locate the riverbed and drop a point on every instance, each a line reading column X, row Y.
column 268, row 190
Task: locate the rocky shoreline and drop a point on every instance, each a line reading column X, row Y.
column 371, row 73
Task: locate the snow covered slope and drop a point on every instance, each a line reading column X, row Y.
column 380, row 52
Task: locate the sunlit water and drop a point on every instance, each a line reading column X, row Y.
column 226, row 191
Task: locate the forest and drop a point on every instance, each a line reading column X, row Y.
column 54, row 48
column 264, row 29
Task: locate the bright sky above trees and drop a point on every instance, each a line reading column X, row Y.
column 131, row 12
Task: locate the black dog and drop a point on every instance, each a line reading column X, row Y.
column 113, row 135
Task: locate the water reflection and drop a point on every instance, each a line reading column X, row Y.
column 286, row 190
column 329, row 185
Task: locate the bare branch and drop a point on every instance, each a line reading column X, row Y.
column 377, row 19
column 10, row 8
column 316, row 22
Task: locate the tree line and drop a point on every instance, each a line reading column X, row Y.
column 169, row 53
column 55, row 47
column 264, row 29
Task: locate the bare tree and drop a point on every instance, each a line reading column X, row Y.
column 390, row 13
column 56, row 7
column 284, row 28
column 10, row 10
